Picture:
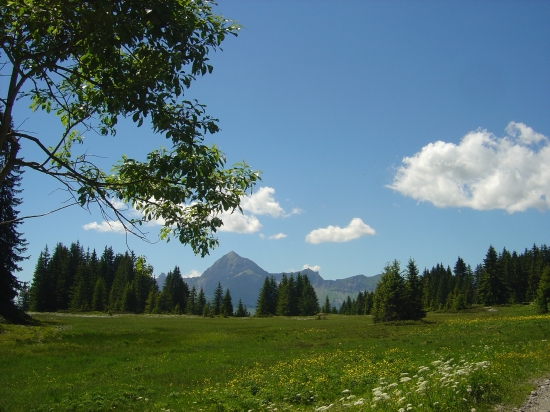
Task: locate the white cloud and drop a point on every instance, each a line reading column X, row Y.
column 239, row 223
column 277, row 236
column 193, row 274
column 262, row 203
column 110, row 226
column 294, row 211
column 354, row 230
column 482, row 172
column 315, row 268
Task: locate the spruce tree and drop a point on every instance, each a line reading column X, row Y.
column 492, row 289
column 542, row 300
column 267, row 299
column 192, row 302
column 283, row 297
column 389, row 295
column 43, row 287
column 99, row 297
column 241, row 312
column 217, row 300
column 82, row 293
column 227, row 304
column 326, row 307
column 413, row 308
column 12, row 244
column 308, row 304
column 201, row 302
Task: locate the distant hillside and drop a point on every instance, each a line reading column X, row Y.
column 244, row 278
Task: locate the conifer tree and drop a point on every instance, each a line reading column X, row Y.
column 192, row 302
column 82, row 292
column 201, row 302
column 99, row 297
column 308, row 304
column 492, row 289
column 241, row 312
column 389, row 295
column 12, row 244
column 227, row 304
column 43, row 287
column 542, row 302
column 413, row 307
column 284, row 296
column 326, row 307
column 267, row 299
column 217, row 300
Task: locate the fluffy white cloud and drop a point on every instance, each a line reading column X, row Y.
column 239, row 223
column 193, row 274
column 110, row 226
column 482, row 172
column 277, row 236
column 315, row 268
column 262, row 203
column 354, row 230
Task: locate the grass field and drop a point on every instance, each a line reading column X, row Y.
column 448, row 362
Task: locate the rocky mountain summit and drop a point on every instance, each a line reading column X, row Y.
column 244, row 279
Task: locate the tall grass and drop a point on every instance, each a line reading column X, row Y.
column 448, row 362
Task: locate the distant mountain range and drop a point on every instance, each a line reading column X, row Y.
column 244, row 279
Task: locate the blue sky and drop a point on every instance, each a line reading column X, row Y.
column 383, row 130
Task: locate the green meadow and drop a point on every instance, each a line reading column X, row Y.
column 447, row 362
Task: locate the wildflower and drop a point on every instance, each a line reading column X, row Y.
column 404, row 379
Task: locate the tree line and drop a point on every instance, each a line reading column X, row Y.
column 502, row 278
column 74, row 279
column 290, row 297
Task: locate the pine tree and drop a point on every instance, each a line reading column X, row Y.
column 12, row 244
column 326, row 307
column 43, row 287
column 542, row 302
column 283, row 297
column 389, row 295
column 217, row 300
column 241, row 312
column 227, row 304
column 82, row 293
column 413, row 307
column 192, row 302
column 267, row 299
column 123, row 276
column 492, row 289
column 174, row 295
column 308, row 304
column 201, row 302
column 99, row 297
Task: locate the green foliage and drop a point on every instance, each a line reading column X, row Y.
column 12, row 244
column 241, row 311
column 227, row 304
column 492, row 289
column 389, row 297
column 92, row 63
column 542, row 302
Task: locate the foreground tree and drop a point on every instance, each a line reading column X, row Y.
column 12, row 244
column 93, row 63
